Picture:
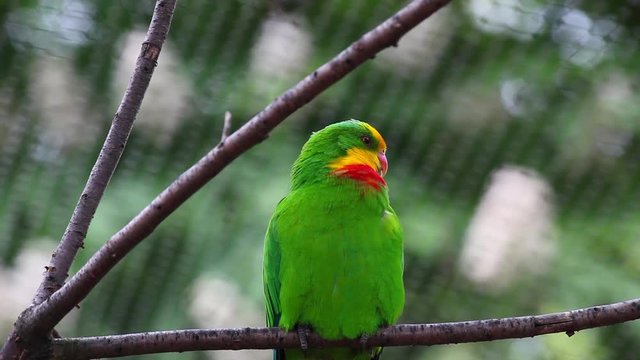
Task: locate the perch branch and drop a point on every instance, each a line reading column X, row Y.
column 73, row 238
column 412, row 334
column 253, row 132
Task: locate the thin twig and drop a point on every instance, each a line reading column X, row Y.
column 226, row 128
column 384, row 35
column 399, row 335
column 73, row 239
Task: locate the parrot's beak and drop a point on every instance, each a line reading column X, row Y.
column 384, row 165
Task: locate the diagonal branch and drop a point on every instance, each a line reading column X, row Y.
column 388, row 33
column 413, row 334
column 73, row 239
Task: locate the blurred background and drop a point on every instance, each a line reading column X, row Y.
column 514, row 150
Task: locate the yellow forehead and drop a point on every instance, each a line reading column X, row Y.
column 376, row 134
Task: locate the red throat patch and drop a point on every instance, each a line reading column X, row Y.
column 362, row 173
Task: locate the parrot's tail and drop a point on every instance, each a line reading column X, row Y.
column 278, row 354
column 296, row 354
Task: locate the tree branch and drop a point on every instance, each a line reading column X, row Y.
column 73, row 239
column 253, row 132
column 414, row 334
column 112, row 149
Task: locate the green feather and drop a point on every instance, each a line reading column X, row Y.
column 333, row 255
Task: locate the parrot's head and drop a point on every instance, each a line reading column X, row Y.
column 349, row 149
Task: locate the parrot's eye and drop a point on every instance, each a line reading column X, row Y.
column 366, row 140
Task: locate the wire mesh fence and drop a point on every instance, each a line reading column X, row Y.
column 514, row 145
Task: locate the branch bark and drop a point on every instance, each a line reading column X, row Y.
column 399, row 335
column 73, row 238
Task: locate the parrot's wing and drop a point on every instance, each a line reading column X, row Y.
column 271, row 274
column 395, row 230
column 271, row 279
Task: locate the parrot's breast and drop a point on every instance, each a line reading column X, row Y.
column 341, row 266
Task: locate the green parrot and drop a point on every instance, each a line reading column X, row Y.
column 333, row 254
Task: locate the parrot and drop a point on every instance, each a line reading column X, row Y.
column 333, row 254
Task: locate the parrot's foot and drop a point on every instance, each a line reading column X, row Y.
column 363, row 341
column 364, row 347
column 303, row 335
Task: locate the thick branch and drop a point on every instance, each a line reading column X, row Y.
column 73, row 239
column 253, row 132
column 415, row 334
